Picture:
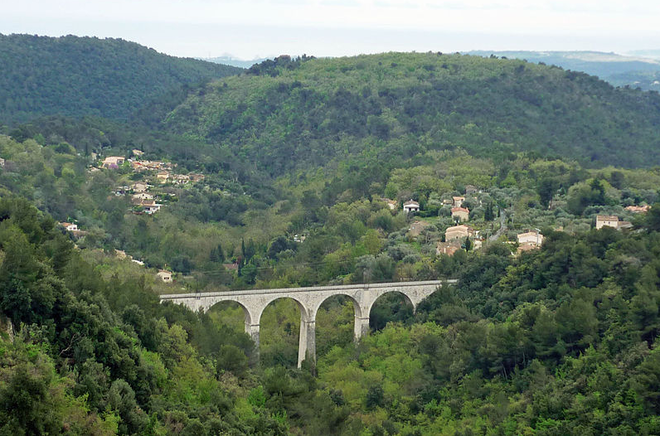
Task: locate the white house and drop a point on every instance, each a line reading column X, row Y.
column 458, row 201
column 140, row 187
column 113, row 161
column 143, row 196
column 461, row 213
column 411, row 206
column 165, row 275
column 70, row 227
column 533, row 238
column 457, row 232
column 163, row 176
column 150, row 207
column 607, row 221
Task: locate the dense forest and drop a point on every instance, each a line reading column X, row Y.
column 298, row 113
column 301, row 168
column 78, row 76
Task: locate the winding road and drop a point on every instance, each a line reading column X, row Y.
column 495, row 236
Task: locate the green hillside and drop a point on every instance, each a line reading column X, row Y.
column 88, row 76
column 287, row 114
column 295, row 174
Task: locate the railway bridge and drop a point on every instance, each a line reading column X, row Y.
column 309, row 300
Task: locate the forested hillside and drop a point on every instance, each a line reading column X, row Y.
column 290, row 114
column 296, row 173
column 89, row 76
column 558, row 341
column 95, row 356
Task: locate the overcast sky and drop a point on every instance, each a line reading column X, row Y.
column 260, row 28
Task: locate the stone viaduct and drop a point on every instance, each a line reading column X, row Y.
column 309, row 300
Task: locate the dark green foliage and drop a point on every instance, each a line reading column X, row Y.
column 375, row 397
column 182, row 264
column 28, row 288
column 217, row 254
column 397, row 106
column 653, row 218
column 390, row 308
column 547, row 189
column 233, row 359
column 89, row 76
column 24, row 403
column 278, row 245
column 98, row 335
column 121, row 398
column 489, row 215
column 273, row 67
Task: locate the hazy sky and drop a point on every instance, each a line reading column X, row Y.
column 254, row 28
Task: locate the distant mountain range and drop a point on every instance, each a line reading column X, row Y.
column 230, row 60
column 637, row 69
column 78, row 76
column 651, row 54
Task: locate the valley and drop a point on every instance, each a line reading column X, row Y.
column 532, row 191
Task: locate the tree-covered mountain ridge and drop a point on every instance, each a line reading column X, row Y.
column 296, row 113
column 79, row 76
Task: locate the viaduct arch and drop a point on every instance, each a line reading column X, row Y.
column 309, row 300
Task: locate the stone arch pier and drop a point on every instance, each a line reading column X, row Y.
column 309, row 300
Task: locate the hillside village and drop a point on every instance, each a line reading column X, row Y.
column 471, row 231
column 467, row 220
column 436, row 224
column 157, row 178
column 421, row 214
column 157, row 186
